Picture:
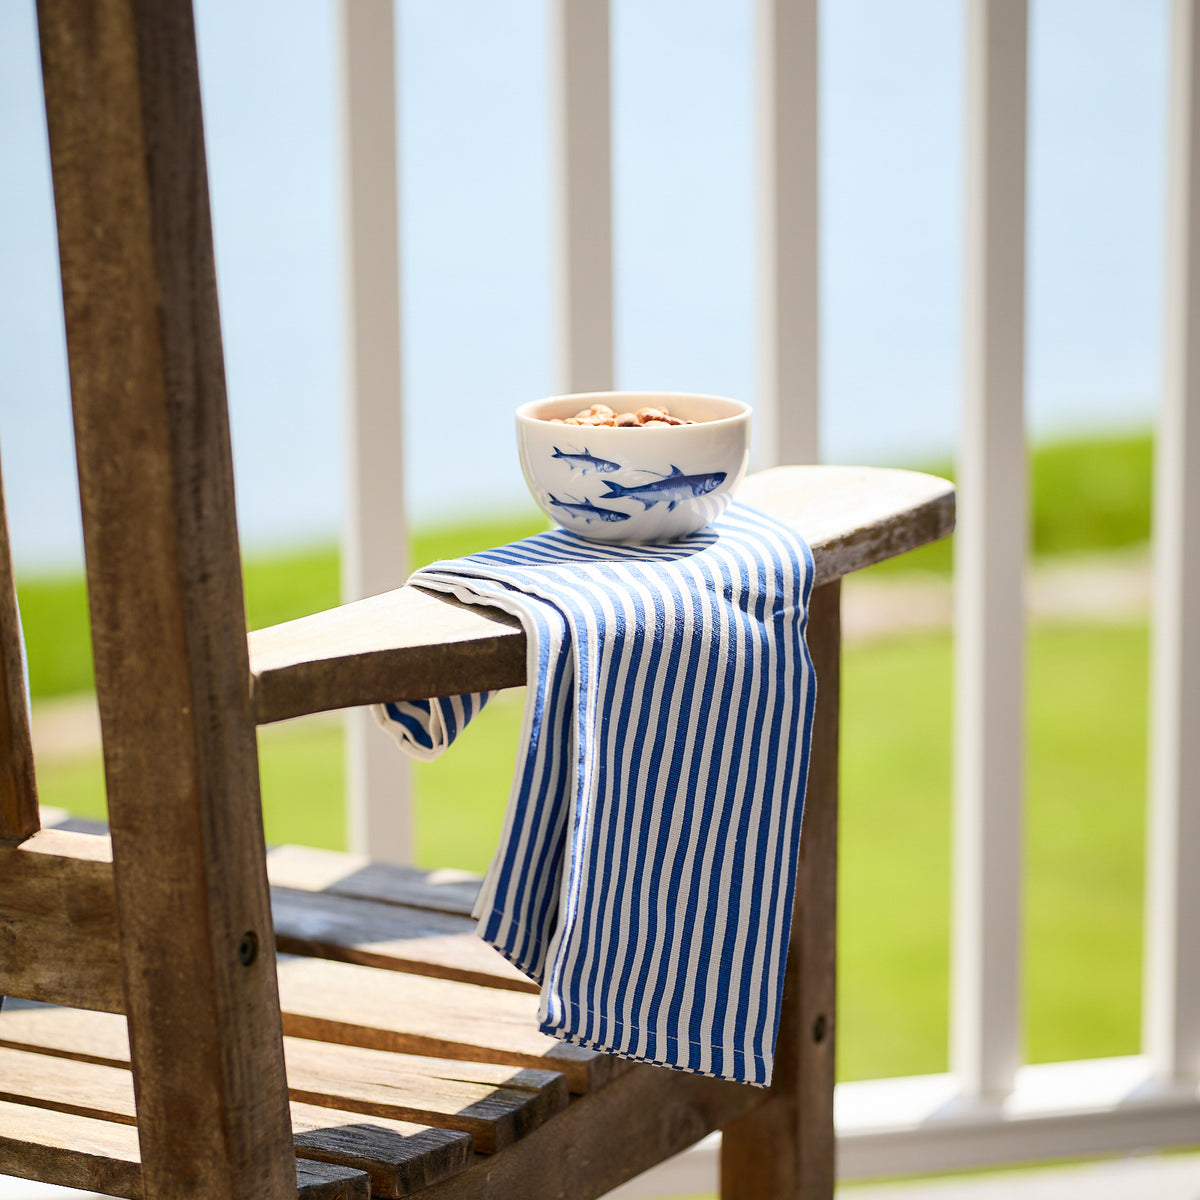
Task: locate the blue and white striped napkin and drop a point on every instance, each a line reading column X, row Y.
column 647, row 865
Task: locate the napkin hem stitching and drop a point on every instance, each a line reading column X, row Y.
column 565, row 1035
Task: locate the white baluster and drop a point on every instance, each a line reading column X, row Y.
column 989, row 571
column 580, row 88
column 788, row 317
column 1171, row 1009
column 374, row 549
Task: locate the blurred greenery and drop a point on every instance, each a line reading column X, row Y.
column 1086, row 495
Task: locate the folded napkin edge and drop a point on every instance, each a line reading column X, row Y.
column 562, row 1034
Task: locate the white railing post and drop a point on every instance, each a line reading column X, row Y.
column 1171, row 1009
column 990, row 549
column 580, row 89
column 374, row 544
column 788, row 276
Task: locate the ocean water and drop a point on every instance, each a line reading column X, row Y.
column 475, row 208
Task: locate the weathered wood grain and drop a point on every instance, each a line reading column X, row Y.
column 399, row 645
column 69, row 1150
column 854, row 517
column 18, row 787
column 78, row 1062
column 64, row 1085
column 347, row 1005
column 330, row 1181
column 495, row 1104
column 605, row 1139
column 164, row 588
column 398, row 1163
column 438, row 1018
column 399, row 1156
column 408, row 644
column 58, row 932
column 785, row 1149
column 390, row 937
column 88, row 1036
column 58, row 929
column 309, row 869
column 103, row 1156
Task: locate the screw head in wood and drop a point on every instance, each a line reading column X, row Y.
column 248, row 948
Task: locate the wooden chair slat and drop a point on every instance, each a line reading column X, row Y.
column 72, row 1033
column 18, row 786
column 123, row 111
column 85, row 1089
column 306, row 868
column 398, row 1162
column 439, row 1018
column 391, row 937
column 408, row 644
column 330, row 1181
column 347, row 1005
column 495, row 1104
column 69, row 1150
column 60, row 942
column 61, row 945
column 41, row 1062
column 399, row 1156
column 103, row 1156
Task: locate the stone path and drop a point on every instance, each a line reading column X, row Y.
column 1103, row 588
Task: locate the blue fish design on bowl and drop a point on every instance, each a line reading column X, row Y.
column 671, row 488
column 588, row 512
column 612, row 483
column 586, row 462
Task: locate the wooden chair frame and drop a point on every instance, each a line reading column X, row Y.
column 172, row 926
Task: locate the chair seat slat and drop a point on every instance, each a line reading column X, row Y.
column 390, row 937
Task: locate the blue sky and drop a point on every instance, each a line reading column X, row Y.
column 475, row 217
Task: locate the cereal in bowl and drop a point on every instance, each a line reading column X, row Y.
column 601, row 414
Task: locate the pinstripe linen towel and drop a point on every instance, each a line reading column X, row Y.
column 647, row 865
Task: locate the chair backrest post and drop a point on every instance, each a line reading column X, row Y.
column 164, row 584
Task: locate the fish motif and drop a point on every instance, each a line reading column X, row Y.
column 670, row 488
column 589, row 512
column 586, row 462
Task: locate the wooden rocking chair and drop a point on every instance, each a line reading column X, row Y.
column 386, row 1050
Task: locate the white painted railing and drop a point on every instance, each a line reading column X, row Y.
column 990, row 551
column 787, row 68
column 582, row 147
column 1171, row 1032
column 989, row 1109
column 374, row 546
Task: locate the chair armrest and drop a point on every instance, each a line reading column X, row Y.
column 406, row 644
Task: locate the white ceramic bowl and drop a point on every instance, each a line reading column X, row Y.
column 653, row 484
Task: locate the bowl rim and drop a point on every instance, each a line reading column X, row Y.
column 525, row 411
